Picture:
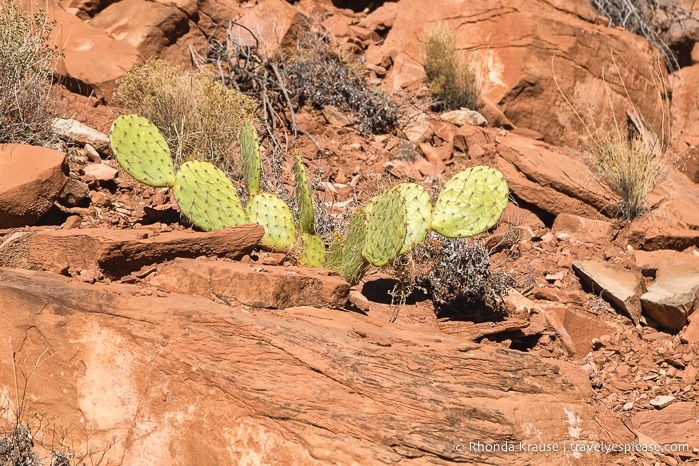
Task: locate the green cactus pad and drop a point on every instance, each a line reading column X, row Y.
column 207, row 196
column 274, row 214
column 354, row 266
column 142, row 150
column 303, row 194
column 312, row 250
column 471, row 202
column 386, row 228
column 418, row 213
column 250, row 157
column 333, row 258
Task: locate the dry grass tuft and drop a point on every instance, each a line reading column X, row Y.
column 27, row 62
column 452, row 81
column 199, row 116
column 630, row 157
column 631, row 167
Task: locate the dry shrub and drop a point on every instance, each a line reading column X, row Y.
column 318, row 75
column 27, row 62
column 452, row 81
column 199, row 116
column 457, row 272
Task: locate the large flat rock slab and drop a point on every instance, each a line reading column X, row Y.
column 31, row 178
column 115, row 253
column 152, row 375
column 271, row 287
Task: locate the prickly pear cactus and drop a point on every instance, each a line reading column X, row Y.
column 250, row 157
column 274, row 214
column 207, row 196
column 385, row 228
column 312, row 250
column 142, row 151
column 418, row 214
column 333, row 258
column 303, row 195
column 354, row 266
column 471, row 202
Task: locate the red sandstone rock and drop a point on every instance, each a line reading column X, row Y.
column 92, row 60
column 30, row 180
column 116, row 253
column 621, row 287
column 515, row 43
column 148, row 26
column 262, row 286
column 180, row 380
column 551, row 179
column 583, row 229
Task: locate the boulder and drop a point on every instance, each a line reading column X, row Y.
column 535, row 55
column 684, row 115
column 652, row 233
column 673, row 296
column 74, row 193
column 116, row 253
column 691, row 333
column 271, row 23
column 147, row 26
column 92, row 61
column 101, row 172
column 552, row 179
column 679, row 211
column 269, row 287
column 618, row 286
column 147, row 376
column 31, row 178
column 464, row 117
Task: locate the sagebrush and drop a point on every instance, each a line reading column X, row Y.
column 27, row 63
column 199, row 117
column 452, row 81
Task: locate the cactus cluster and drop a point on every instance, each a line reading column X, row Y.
column 399, row 218
column 391, row 225
column 208, row 198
